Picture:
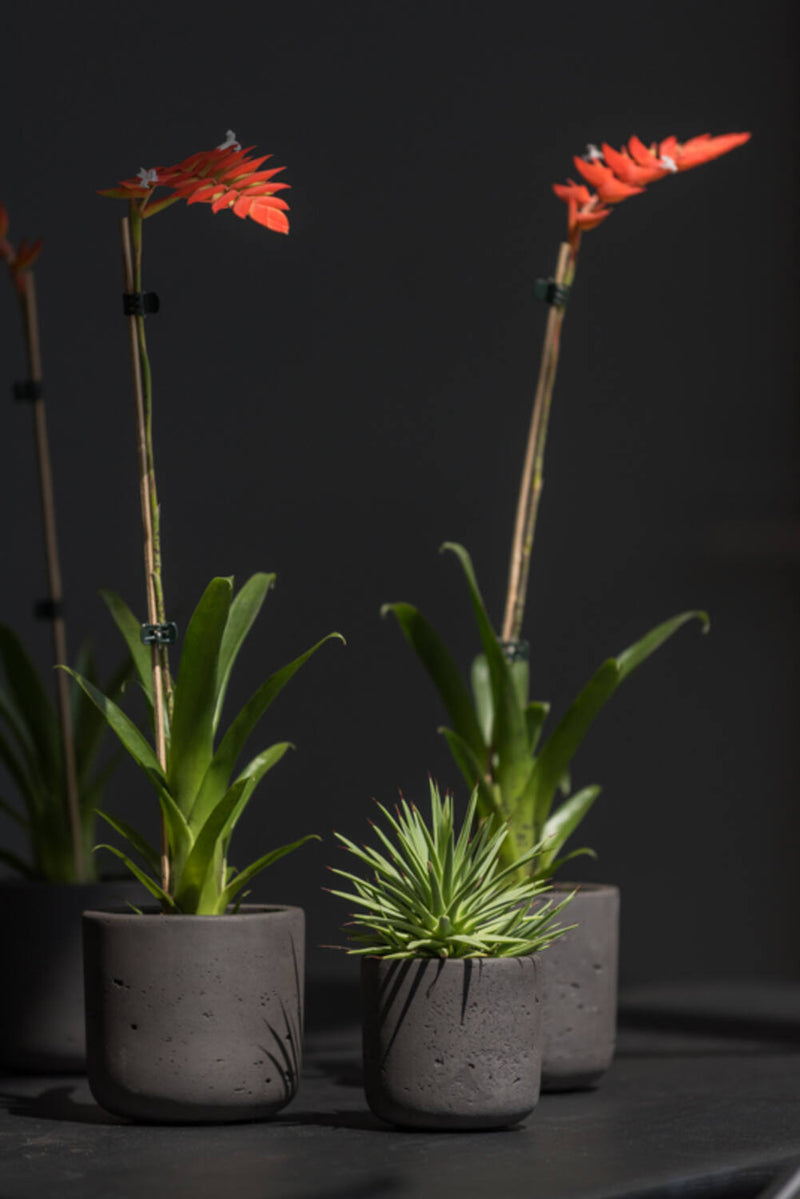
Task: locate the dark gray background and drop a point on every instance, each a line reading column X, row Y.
column 335, row 404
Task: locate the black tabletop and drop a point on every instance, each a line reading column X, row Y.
column 702, row 1100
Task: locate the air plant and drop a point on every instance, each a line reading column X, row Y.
column 496, row 730
column 49, row 750
column 200, row 800
column 438, row 893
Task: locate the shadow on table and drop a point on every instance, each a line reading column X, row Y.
column 57, row 1103
column 358, row 1120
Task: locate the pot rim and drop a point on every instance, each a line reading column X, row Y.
column 583, row 888
column 247, row 910
column 379, row 957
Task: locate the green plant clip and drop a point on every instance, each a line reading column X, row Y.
column 140, row 303
column 48, row 609
column 159, row 634
column 27, row 389
column 516, row 651
column 551, row 292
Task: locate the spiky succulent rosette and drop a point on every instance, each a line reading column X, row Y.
column 438, row 894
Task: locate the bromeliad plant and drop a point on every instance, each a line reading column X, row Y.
column 200, row 800
column 436, row 893
column 50, row 751
column 496, row 730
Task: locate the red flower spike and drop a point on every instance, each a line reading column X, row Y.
column 701, row 149
column 20, row 260
column 270, row 217
column 571, row 190
column 224, row 178
column 590, row 219
column 632, row 172
column 618, row 174
column 580, row 219
column 610, row 189
column 642, row 155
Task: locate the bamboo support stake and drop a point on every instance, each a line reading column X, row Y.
column 532, row 471
column 146, row 493
column 55, row 588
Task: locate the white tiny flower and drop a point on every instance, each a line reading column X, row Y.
column 668, row 162
column 593, row 152
column 230, row 142
column 147, row 178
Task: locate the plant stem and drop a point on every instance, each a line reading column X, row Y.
column 30, row 320
column 131, row 233
column 532, row 472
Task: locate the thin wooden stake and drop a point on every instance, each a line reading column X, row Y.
column 55, row 588
column 147, row 528
column 532, row 471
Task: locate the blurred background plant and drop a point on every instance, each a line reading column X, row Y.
column 50, row 751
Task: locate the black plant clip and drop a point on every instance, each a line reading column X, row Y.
column 551, row 292
column 48, row 609
column 28, row 389
column 516, row 651
column 140, row 303
column 159, row 634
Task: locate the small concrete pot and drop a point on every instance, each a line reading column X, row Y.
column 194, row 1019
column 451, row 1043
column 41, row 999
column 578, row 989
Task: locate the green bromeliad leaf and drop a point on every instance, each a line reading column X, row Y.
column 509, row 729
column 441, row 666
column 191, row 746
column 244, row 610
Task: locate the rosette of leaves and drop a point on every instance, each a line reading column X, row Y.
column 200, row 794
column 31, row 751
column 440, row 895
column 496, row 734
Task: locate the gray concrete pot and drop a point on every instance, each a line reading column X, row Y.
column 41, row 999
column 578, row 990
column 194, row 1019
column 451, row 1044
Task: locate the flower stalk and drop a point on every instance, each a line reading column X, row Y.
column 30, row 322
column 131, row 235
column 533, row 467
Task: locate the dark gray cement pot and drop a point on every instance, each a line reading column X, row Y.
column 41, row 998
column 194, row 1019
column 578, row 990
column 451, row 1044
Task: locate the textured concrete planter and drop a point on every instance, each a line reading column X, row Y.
column 41, row 999
column 194, row 1019
column 578, row 990
column 451, row 1044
